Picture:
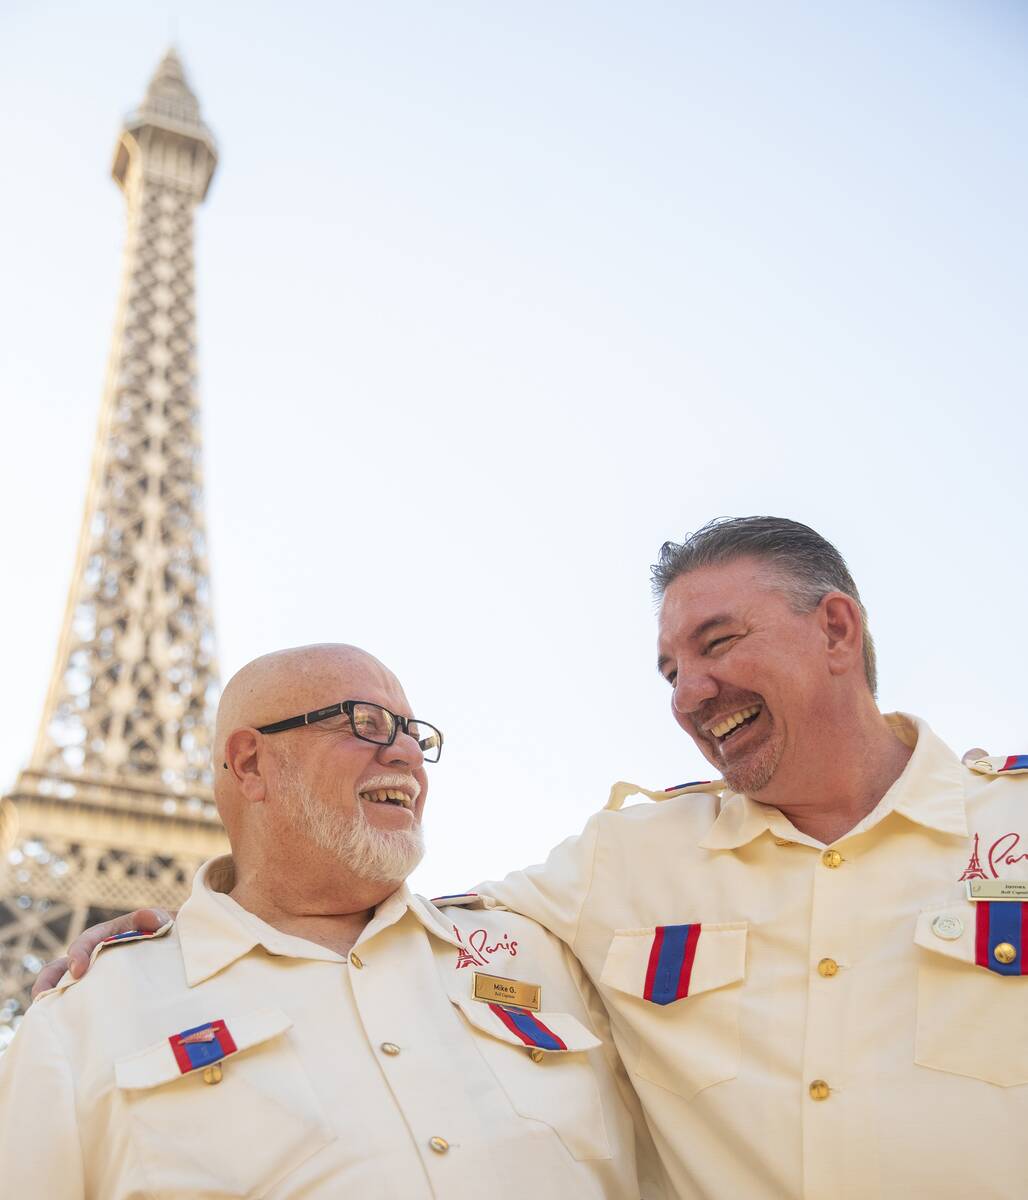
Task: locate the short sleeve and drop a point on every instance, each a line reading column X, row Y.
column 40, row 1150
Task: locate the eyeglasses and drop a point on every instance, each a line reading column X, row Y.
column 371, row 723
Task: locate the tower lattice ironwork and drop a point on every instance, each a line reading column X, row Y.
column 115, row 809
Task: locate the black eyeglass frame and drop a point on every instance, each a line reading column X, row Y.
column 346, row 707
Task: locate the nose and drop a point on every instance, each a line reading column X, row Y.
column 690, row 691
column 403, row 752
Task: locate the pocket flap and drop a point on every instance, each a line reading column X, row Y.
column 198, row 1047
column 553, row 1032
column 987, row 933
column 669, row 962
column 949, row 930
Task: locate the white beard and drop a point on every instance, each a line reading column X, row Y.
column 376, row 855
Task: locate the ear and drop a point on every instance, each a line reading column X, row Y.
column 840, row 621
column 242, row 759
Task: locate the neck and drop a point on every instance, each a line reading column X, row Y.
column 856, row 763
column 333, row 917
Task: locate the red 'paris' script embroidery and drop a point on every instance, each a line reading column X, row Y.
column 1000, row 854
column 476, row 951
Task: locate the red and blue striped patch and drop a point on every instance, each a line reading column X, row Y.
column 999, row 921
column 1016, row 762
column 528, row 1027
column 202, row 1046
column 130, row 935
column 670, row 966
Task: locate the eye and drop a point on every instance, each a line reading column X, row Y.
column 672, row 678
column 721, row 641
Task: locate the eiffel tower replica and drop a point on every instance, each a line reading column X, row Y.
column 115, row 810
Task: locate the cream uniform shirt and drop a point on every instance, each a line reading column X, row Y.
column 226, row 1058
column 811, row 1021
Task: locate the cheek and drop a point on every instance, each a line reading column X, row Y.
column 683, row 722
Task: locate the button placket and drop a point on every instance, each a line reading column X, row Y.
column 402, row 1026
column 833, row 897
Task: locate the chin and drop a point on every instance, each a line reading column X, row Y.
column 753, row 773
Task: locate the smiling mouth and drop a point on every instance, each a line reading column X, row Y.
column 729, row 726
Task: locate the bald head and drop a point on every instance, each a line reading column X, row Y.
column 286, row 683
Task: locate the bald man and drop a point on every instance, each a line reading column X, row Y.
column 308, row 1027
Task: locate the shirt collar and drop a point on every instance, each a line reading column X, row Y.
column 214, row 930
column 929, row 792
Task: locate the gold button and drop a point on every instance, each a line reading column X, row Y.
column 819, row 1090
column 439, row 1145
column 390, row 1048
column 827, row 967
column 1004, row 953
column 355, row 960
column 831, row 858
column 536, row 1055
column 212, row 1074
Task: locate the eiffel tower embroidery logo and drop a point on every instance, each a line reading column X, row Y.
column 973, row 870
column 465, row 956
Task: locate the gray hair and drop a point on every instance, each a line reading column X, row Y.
column 808, row 566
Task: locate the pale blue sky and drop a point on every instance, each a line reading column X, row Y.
column 540, row 287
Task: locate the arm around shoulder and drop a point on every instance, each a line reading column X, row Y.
column 554, row 892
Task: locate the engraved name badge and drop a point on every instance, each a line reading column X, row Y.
column 494, row 989
column 997, row 889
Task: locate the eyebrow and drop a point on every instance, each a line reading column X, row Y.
column 704, row 627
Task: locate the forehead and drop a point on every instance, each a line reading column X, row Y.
column 367, row 679
column 733, row 590
column 332, row 678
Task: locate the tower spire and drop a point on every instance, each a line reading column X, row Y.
column 115, row 809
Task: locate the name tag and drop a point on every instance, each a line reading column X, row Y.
column 494, row 989
column 997, row 889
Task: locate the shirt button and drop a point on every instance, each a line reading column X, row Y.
column 831, row 858
column 536, row 1055
column 827, row 967
column 438, row 1144
column 947, row 928
column 390, row 1048
column 356, row 961
column 1004, row 953
column 819, row 1090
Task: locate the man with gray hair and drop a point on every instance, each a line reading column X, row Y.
column 815, row 965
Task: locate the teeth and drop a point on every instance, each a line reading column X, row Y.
column 729, row 723
column 387, row 796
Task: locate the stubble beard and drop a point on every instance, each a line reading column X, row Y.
column 751, row 776
column 754, row 771
column 376, row 855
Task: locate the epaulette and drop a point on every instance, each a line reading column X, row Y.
column 620, row 792
column 116, row 939
column 1012, row 764
column 458, row 898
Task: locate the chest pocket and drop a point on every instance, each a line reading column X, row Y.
column 971, row 1019
column 540, row 1061
column 238, row 1133
column 677, row 992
